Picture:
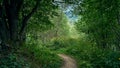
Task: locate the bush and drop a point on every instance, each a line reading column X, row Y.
column 62, row 43
column 41, row 56
column 13, row 61
column 89, row 56
column 112, row 59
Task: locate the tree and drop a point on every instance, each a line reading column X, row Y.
column 60, row 27
column 100, row 18
column 15, row 16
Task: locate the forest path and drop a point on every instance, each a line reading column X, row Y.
column 68, row 61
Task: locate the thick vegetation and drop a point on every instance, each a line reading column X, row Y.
column 34, row 32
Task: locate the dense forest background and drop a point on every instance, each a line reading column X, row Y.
column 34, row 32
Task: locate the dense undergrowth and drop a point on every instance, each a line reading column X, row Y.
column 13, row 61
column 31, row 55
column 36, row 55
column 86, row 54
column 41, row 57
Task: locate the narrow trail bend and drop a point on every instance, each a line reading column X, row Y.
column 68, row 61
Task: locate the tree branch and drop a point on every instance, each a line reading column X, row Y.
column 26, row 18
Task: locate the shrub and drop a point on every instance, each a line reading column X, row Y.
column 41, row 56
column 89, row 56
column 62, row 43
column 13, row 61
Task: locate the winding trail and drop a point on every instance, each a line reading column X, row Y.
column 68, row 61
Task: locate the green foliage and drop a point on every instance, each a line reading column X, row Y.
column 61, row 43
column 89, row 56
column 13, row 61
column 40, row 21
column 40, row 55
column 99, row 20
column 49, row 27
column 60, row 24
column 44, row 57
column 113, row 60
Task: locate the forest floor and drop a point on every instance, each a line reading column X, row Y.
column 68, row 61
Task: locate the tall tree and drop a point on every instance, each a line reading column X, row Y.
column 15, row 16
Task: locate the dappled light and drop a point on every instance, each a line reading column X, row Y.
column 59, row 33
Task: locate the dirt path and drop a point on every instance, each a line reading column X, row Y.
column 68, row 61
